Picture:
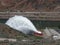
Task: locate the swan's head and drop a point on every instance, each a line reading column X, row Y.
column 38, row 33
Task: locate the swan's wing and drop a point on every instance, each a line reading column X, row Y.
column 26, row 30
column 17, row 22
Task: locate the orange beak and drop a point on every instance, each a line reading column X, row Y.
column 38, row 34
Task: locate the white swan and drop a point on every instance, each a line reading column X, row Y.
column 22, row 24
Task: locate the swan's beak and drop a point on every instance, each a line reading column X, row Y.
column 40, row 34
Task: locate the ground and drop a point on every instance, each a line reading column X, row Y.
column 30, row 5
column 7, row 32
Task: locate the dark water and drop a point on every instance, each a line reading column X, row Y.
column 40, row 23
column 3, row 20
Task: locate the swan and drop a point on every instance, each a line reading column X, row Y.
column 23, row 24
